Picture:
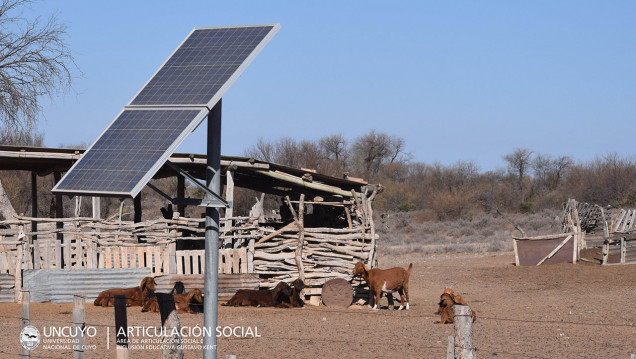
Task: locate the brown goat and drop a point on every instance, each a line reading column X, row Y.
column 385, row 280
column 260, row 298
column 184, row 302
column 151, row 304
column 290, row 297
column 134, row 296
column 447, row 300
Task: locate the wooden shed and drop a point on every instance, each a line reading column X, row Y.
column 324, row 226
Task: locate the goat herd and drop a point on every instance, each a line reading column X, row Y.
column 283, row 295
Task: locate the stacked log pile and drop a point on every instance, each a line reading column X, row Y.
column 327, row 253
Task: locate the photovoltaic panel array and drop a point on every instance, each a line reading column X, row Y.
column 162, row 114
column 201, row 66
column 134, row 143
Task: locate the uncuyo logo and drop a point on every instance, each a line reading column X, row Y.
column 30, row 337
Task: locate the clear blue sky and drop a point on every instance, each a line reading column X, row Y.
column 461, row 80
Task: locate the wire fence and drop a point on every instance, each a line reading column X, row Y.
column 401, row 315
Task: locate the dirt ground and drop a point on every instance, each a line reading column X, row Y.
column 551, row 311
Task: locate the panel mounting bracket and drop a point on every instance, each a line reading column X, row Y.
column 210, row 199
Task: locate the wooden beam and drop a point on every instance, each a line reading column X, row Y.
column 300, row 182
column 181, row 194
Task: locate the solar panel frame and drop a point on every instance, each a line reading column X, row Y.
column 192, row 125
column 231, row 80
column 202, row 108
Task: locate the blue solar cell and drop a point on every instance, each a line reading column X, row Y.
column 144, row 135
column 136, row 142
column 198, row 69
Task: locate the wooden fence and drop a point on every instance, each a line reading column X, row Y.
column 246, row 246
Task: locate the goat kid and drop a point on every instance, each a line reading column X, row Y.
column 134, row 296
column 289, row 297
column 260, row 298
column 185, row 302
column 385, row 280
column 152, row 305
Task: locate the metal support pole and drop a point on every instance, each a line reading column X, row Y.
column 213, row 182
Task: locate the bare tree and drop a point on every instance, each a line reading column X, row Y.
column 262, row 150
column 518, row 163
column 549, row 171
column 373, row 150
column 34, row 61
column 336, row 150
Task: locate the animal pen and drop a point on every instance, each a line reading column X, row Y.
column 617, row 227
column 619, row 230
column 324, row 226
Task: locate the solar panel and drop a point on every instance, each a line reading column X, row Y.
column 204, row 66
column 131, row 150
column 170, row 106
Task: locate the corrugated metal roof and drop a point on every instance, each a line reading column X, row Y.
column 7, row 285
column 59, row 286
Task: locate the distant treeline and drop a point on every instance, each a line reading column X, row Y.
column 530, row 181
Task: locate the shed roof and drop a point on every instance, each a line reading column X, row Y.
column 259, row 175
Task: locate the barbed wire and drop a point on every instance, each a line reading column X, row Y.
column 383, row 313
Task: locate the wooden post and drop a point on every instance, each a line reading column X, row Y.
column 121, row 327
column 250, row 256
column 301, row 237
column 623, row 250
column 18, row 274
column 172, row 253
column 59, row 204
column 97, row 212
column 463, row 323
column 170, row 321
column 34, row 223
column 26, row 318
column 137, row 208
column 301, row 233
column 514, row 246
column 78, row 206
column 229, row 198
column 372, row 259
column 79, row 323
column 450, row 349
column 181, row 194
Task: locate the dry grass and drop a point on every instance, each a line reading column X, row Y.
column 402, row 233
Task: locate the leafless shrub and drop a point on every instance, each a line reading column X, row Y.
column 485, row 233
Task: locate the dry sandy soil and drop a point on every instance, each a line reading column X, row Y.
column 551, row 311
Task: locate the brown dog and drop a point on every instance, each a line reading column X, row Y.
column 134, row 296
column 446, row 302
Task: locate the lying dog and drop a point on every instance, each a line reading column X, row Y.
column 134, row 296
column 447, row 300
column 260, row 298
